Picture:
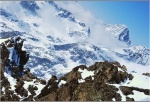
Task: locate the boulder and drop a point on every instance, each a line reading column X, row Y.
column 31, row 89
column 124, row 68
column 146, row 74
column 129, row 99
column 30, row 75
column 125, row 90
column 130, row 76
column 128, row 90
column 43, row 82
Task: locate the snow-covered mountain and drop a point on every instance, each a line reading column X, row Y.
column 62, row 35
column 57, row 38
column 120, row 31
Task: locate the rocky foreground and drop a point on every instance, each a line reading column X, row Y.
column 81, row 84
column 103, row 81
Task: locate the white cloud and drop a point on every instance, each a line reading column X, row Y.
column 98, row 32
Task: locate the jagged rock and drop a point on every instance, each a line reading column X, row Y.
column 94, row 91
column 20, row 80
column 145, row 91
column 18, row 85
column 30, row 75
column 125, row 90
column 4, row 53
column 69, row 88
column 26, row 78
column 80, row 66
column 29, row 98
column 130, row 76
column 124, row 68
column 64, row 93
column 72, row 75
column 88, row 78
column 123, row 75
column 128, row 90
column 89, row 89
column 19, row 58
column 9, row 96
column 31, row 89
column 129, row 99
column 93, row 67
column 146, row 74
column 20, row 90
column 51, row 86
column 5, row 82
column 8, row 43
column 108, row 72
column 2, row 69
column 50, row 97
column 43, row 82
column 116, row 63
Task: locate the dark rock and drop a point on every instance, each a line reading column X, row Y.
column 88, row 78
column 128, row 90
column 146, row 74
column 50, row 97
column 29, row 98
column 105, row 73
column 118, row 97
column 4, row 53
column 125, row 90
column 80, row 66
column 145, row 91
column 123, row 75
column 31, row 89
column 5, row 82
column 26, row 78
column 51, row 86
column 15, row 66
column 35, row 88
column 130, row 76
column 116, row 64
column 43, row 82
column 30, row 75
column 129, row 99
column 124, row 68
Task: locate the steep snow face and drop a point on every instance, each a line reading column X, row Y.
column 120, row 31
column 57, row 41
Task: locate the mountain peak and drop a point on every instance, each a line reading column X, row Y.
column 120, row 31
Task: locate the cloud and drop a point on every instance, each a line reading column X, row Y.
column 51, row 25
column 78, row 11
column 99, row 35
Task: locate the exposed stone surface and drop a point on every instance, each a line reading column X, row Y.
column 129, row 90
column 129, row 99
column 146, row 74
column 43, row 82
column 93, row 88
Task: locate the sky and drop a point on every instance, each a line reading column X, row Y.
column 135, row 15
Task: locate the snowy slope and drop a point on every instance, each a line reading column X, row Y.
column 58, row 40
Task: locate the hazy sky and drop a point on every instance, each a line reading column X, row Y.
column 133, row 14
